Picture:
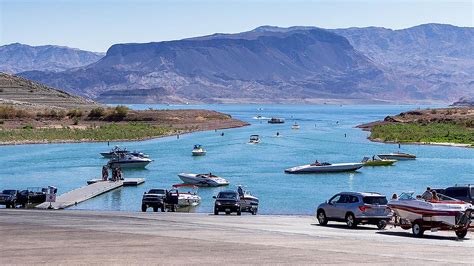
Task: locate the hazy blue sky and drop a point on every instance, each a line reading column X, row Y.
column 95, row 25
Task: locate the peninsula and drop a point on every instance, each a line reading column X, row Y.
column 444, row 126
column 33, row 113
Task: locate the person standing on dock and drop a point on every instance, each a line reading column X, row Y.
column 105, row 173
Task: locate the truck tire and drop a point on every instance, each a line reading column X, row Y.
column 155, row 209
column 143, row 208
column 254, row 212
column 417, row 229
column 13, row 204
column 216, row 212
column 239, row 212
column 462, row 233
column 162, row 208
column 7, row 206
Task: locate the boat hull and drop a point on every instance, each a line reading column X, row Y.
column 199, row 153
column 396, row 157
column 380, row 163
column 324, row 168
column 126, row 164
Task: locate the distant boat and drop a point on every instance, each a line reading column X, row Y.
column 397, row 156
column 259, row 117
column 206, row 180
column 118, row 151
column 295, row 126
column 377, row 161
column 254, row 139
column 198, row 150
column 128, row 161
column 324, row 168
column 274, row 120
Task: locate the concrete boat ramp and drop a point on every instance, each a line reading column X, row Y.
column 90, row 191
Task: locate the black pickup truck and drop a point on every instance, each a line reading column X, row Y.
column 10, row 198
column 160, row 199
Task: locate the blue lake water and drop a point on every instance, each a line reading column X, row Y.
column 258, row 167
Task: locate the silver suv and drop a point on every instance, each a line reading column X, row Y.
column 355, row 208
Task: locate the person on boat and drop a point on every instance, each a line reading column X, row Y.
column 105, row 173
column 427, row 195
column 434, row 195
column 240, row 191
column 119, row 173
column 316, row 163
column 394, row 196
column 278, row 134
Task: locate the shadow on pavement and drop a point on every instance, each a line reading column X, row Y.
column 343, row 226
column 432, row 237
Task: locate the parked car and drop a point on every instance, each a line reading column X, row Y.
column 460, row 192
column 9, row 198
column 227, row 201
column 355, row 208
column 32, row 196
column 160, row 199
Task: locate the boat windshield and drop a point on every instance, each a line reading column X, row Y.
column 407, row 196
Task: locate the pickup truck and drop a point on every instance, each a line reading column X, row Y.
column 9, row 198
column 160, row 199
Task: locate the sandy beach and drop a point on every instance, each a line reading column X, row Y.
column 87, row 237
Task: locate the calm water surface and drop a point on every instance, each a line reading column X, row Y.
column 258, row 167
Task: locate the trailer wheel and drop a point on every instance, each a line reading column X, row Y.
column 462, row 233
column 417, row 229
column 143, row 208
column 381, row 224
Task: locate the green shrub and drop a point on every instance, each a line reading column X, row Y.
column 28, row 126
column 75, row 113
column 118, row 113
column 97, row 112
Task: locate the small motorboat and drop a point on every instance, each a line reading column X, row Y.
column 254, row 139
column 203, row 180
column 295, row 126
column 187, row 199
column 377, row 161
column 117, row 150
column 318, row 167
column 444, row 213
column 128, row 161
column 259, row 117
column 248, row 202
column 274, row 120
column 198, row 150
column 399, row 156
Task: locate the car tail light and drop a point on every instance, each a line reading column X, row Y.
column 363, row 208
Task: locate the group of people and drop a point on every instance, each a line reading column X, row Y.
column 116, row 173
column 429, row 194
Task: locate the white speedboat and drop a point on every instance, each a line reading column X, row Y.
column 203, row 180
column 318, row 167
column 295, row 126
column 198, row 150
column 397, row 156
column 128, row 161
column 187, row 199
column 254, row 139
column 442, row 214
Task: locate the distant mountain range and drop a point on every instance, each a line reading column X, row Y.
column 426, row 63
column 16, row 57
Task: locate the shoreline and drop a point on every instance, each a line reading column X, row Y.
column 442, row 144
column 33, row 142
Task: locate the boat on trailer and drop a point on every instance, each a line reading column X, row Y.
column 187, row 199
column 420, row 215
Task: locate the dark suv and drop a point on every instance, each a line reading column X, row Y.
column 227, row 201
column 460, row 192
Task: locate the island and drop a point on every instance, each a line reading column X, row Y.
column 33, row 113
column 442, row 126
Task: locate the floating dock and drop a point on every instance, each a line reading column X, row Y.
column 90, row 191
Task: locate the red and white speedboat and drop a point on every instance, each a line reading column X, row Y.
column 420, row 215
